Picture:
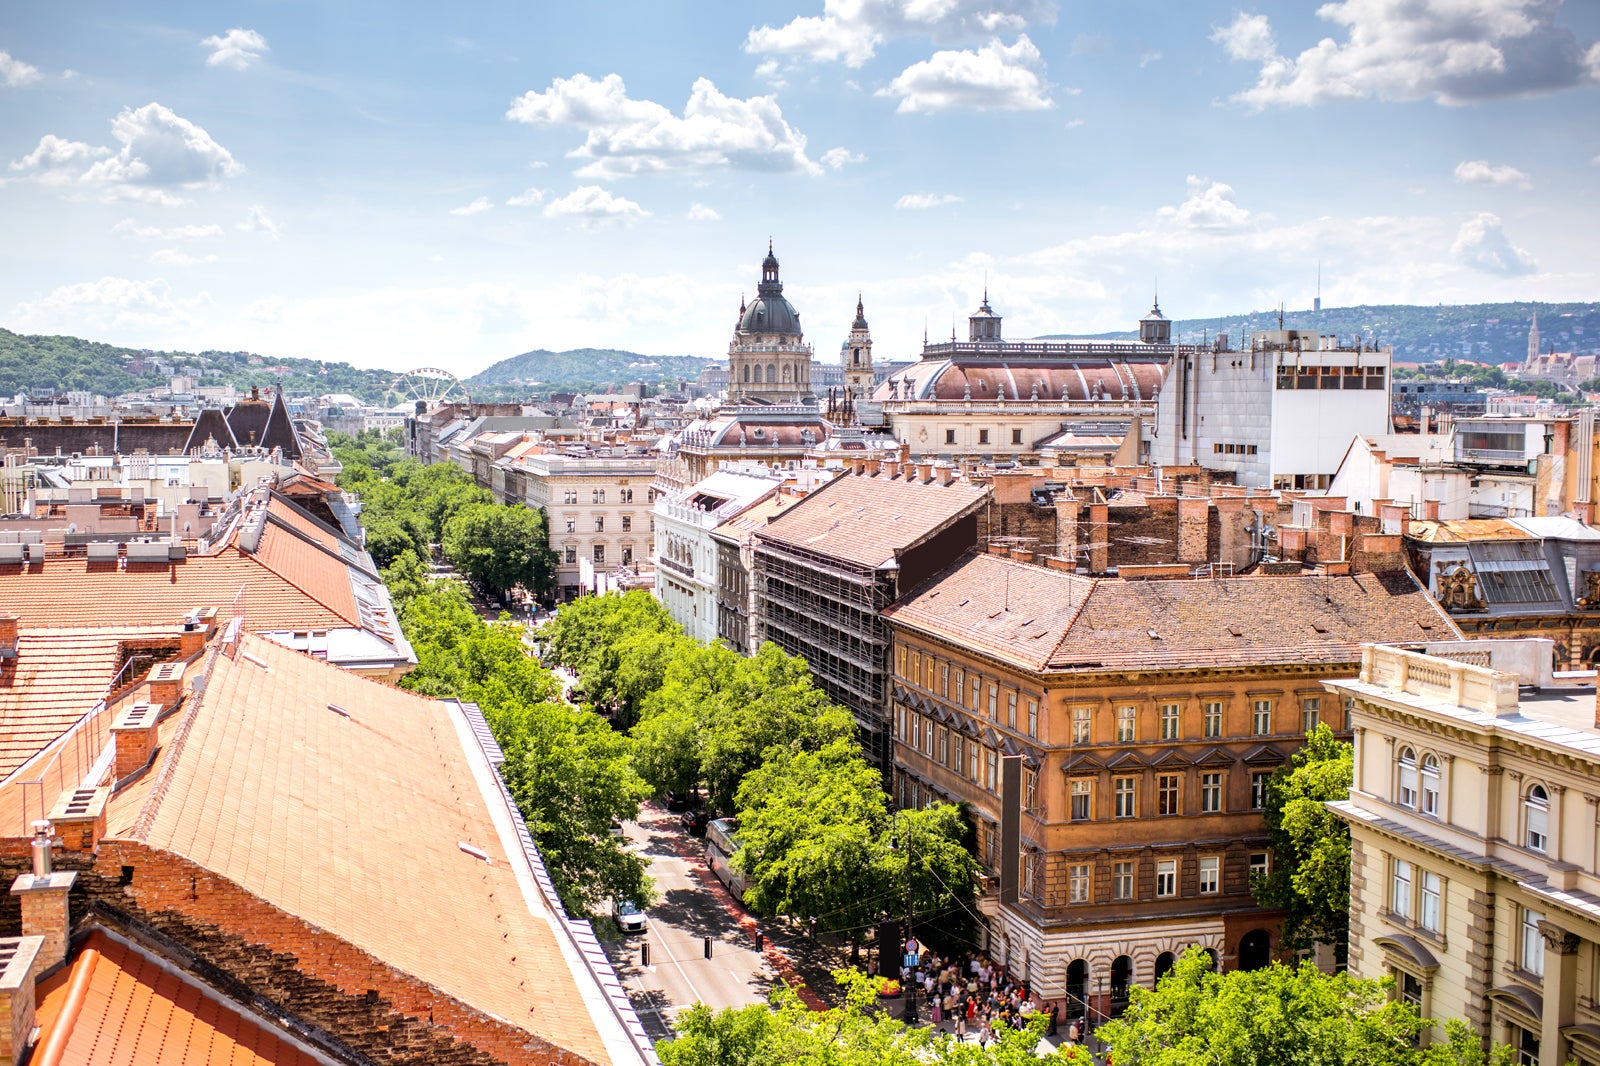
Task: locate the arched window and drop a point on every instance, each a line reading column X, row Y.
column 1406, row 779
column 747, row 373
column 1537, row 806
column 1121, row 977
column 1164, row 963
column 1430, row 785
column 772, row 373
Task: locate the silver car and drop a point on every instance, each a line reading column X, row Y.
column 629, row 916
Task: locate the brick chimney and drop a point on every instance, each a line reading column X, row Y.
column 905, row 451
column 8, row 636
column 891, row 467
column 946, row 472
column 925, row 470
column 198, row 625
column 18, row 954
column 44, row 903
column 135, row 738
column 79, row 817
column 166, row 684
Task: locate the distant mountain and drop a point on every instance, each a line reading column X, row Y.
column 543, row 370
column 1485, row 333
column 45, row 366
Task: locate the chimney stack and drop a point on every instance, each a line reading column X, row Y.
column 135, row 739
column 44, row 903
column 946, row 472
column 891, row 467
column 166, row 684
column 8, row 636
column 17, row 958
column 905, row 451
column 197, row 627
column 925, row 470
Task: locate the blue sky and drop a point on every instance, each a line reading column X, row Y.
column 404, row 185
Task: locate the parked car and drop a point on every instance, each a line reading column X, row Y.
column 616, row 829
column 695, row 822
column 629, row 916
column 680, row 801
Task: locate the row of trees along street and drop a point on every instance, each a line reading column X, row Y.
column 662, row 711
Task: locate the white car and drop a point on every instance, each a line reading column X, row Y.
column 629, row 916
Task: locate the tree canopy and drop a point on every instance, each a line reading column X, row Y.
column 500, row 548
column 1310, row 879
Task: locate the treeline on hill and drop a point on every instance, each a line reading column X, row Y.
column 818, row 839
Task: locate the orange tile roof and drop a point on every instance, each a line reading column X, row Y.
column 55, row 679
column 1049, row 620
column 139, row 1013
column 865, row 518
column 346, row 820
column 323, row 577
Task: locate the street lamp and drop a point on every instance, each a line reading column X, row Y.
column 911, row 854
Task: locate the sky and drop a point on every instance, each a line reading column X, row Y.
column 444, row 185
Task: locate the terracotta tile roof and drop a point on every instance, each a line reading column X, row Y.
column 139, row 1013
column 66, row 591
column 349, row 819
column 1049, row 620
column 321, row 576
column 1462, row 530
column 56, row 678
column 866, row 518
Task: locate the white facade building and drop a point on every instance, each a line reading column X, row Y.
column 686, row 554
column 1279, row 415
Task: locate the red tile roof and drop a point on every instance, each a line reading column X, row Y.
column 346, row 818
column 1049, row 620
column 866, row 518
column 139, row 1013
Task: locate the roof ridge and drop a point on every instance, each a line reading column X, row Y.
column 1066, row 630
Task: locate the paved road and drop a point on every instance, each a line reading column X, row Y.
column 687, row 911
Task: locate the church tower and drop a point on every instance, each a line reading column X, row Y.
column 983, row 324
column 1155, row 327
column 856, row 355
column 1533, row 339
column 768, row 359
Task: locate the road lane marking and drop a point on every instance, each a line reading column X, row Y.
column 673, row 959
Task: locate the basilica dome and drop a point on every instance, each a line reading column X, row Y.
column 769, row 312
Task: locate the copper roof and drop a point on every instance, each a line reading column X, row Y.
column 1045, row 619
column 1056, row 379
column 867, row 518
column 139, row 1013
column 345, row 803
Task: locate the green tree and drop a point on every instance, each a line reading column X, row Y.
column 933, row 854
column 500, row 547
column 1310, row 844
column 1280, row 1015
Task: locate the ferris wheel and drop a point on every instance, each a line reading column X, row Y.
column 430, row 385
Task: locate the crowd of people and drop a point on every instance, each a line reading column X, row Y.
column 968, row 995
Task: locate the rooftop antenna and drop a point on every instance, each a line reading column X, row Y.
column 1280, row 314
column 1316, row 305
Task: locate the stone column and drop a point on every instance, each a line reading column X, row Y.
column 1560, row 992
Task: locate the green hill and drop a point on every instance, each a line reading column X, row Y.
column 1485, row 333
column 580, row 368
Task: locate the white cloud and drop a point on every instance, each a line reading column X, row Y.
column 529, row 197
column 1481, row 243
column 1247, row 37
column 111, row 303
column 1481, row 172
column 160, row 152
column 268, row 309
column 173, row 257
column 129, row 228
column 839, row 157
column 1209, row 206
column 14, row 72
column 994, row 78
column 703, row 213
column 626, row 136
column 476, row 207
column 592, row 205
column 1146, row 58
column 256, row 221
column 768, row 72
column 921, row 201
column 1451, row 51
column 1074, row 123
column 238, row 48
column 851, row 30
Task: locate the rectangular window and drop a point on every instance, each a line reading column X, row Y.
column 1310, row 713
column 1167, row 794
column 944, row 679
column 1081, row 720
column 1213, row 719
column 1410, row 991
column 1027, row 875
column 958, row 755
column 1260, row 864
column 1030, row 790
column 1400, row 889
column 572, row 524
column 1167, row 877
column 960, row 681
column 992, row 769
column 1016, row 436
column 1126, row 731
column 1127, row 796
column 1122, row 880
column 1263, row 718
column 1078, row 884
column 916, row 731
column 973, row 758
column 1082, row 800
column 1169, row 721
column 949, row 436
column 1210, row 874
column 974, row 695
column 599, row 555
column 1011, row 710
column 572, row 555
column 1258, row 789
column 1429, row 893
column 927, row 739
column 1033, row 718
column 1210, row 793
column 900, row 660
column 1430, row 785
column 599, row 523
column 983, row 436
column 994, row 703
column 1532, row 942
column 627, row 523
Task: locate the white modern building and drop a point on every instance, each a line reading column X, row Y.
column 1279, row 414
column 686, row 554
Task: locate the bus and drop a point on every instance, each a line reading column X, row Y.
column 722, row 840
